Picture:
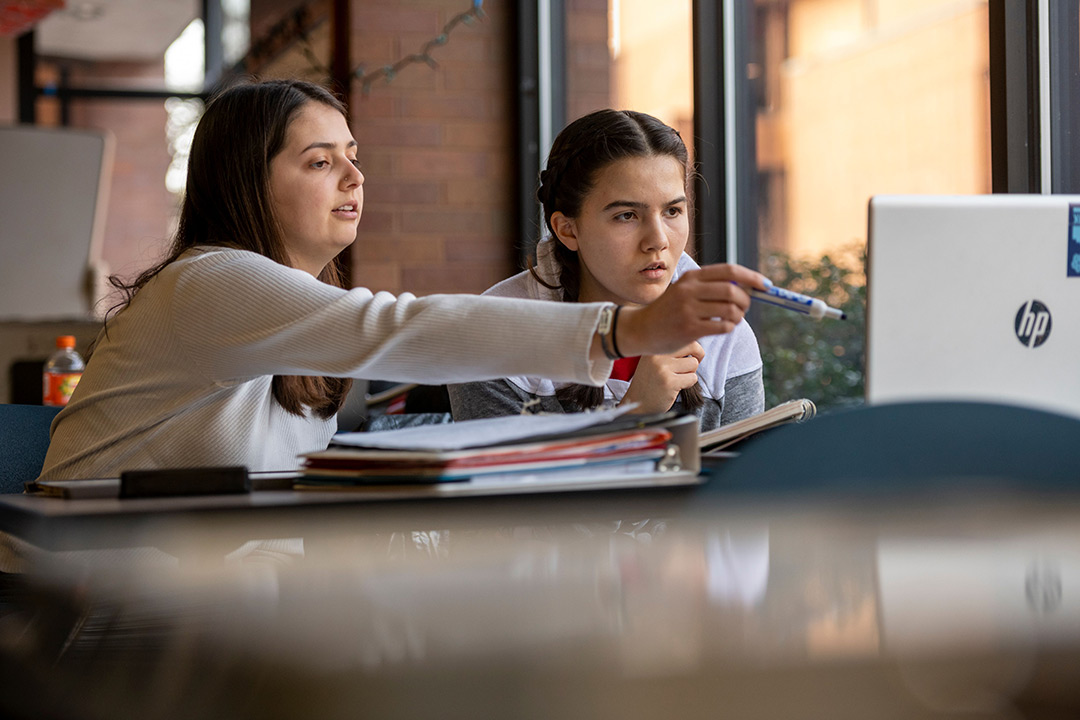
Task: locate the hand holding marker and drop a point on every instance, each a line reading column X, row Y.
column 794, row 301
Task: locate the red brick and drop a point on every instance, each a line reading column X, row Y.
column 372, row 105
column 383, row 133
column 575, row 6
column 588, row 27
column 399, row 192
column 450, row 278
column 367, row 19
column 375, row 162
column 472, row 78
column 460, row 106
column 377, row 276
column 376, row 219
column 447, row 222
column 589, row 55
column 476, row 135
column 493, row 250
column 472, row 191
column 464, row 45
column 396, row 248
column 441, row 164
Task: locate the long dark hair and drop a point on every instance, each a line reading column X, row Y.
column 227, row 204
column 584, row 148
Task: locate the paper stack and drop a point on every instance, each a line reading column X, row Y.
column 524, row 444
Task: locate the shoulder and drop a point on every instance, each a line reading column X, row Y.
column 215, row 266
column 207, row 259
column 517, row 286
column 726, row 356
column 685, row 264
column 523, row 285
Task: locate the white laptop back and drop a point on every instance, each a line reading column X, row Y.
column 974, row 298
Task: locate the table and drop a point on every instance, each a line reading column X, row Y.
column 683, row 602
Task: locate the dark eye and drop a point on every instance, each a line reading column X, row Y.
column 355, row 162
column 319, row 164
column 674, row 211
column 628, row 215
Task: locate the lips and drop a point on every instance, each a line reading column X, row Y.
column 347, row 211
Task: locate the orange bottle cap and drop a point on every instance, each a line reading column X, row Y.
column 65, row 341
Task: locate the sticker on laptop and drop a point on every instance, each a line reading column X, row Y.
column 1074, row 241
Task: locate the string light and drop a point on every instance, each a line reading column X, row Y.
column 389, row 72
column 299, row 25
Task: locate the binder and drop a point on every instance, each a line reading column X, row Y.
column 582, row 443
column 726, row 436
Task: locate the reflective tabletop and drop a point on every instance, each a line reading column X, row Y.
column 950, row 606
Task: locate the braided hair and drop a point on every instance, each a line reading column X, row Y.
column 584, row 148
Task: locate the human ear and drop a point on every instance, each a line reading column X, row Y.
column 565, row 230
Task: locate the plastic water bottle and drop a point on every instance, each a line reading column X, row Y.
column 63, row 370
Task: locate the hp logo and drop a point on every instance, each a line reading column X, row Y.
column 1033, row 324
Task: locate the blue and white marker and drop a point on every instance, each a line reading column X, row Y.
column 804, row 304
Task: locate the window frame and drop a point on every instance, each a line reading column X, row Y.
column 1034, row 71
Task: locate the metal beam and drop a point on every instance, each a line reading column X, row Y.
column 1065, row 96
column 710, row 155
column 1014, row 96
column 213, row 18
column 27, row 61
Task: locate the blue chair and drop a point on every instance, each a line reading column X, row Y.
column 909, row 447
column 24, row 439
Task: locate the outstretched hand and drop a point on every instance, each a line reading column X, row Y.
column 707, row 301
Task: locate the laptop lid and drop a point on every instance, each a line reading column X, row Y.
column 974, row 298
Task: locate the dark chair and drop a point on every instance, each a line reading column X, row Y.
column 907, row 447
column 24, row 439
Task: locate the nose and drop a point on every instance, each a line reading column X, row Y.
column 654, row 237
column 353, row 177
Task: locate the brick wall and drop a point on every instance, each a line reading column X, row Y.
column 588, row 61
column 436, row 147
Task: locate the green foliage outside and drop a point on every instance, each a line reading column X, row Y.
column 805, row 358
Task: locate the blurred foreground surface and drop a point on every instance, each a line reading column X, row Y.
column 746, row 608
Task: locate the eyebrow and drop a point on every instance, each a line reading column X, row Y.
column 327, row 146
column 640, row 205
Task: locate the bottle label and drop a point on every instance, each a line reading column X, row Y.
column 59, row 386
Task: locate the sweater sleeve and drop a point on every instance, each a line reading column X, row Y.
column 240, row 315
column 744, row 396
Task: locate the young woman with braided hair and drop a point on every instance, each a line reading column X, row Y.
column 614, row 197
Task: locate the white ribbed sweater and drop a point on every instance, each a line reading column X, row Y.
column 181, row 377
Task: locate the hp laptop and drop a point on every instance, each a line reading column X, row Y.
column 974, row 298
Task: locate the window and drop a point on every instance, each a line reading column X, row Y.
column 853, row 98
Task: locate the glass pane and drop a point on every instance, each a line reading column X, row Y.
column 624, row 54
column 151, row 46
column 627, row 55
column 855, row 98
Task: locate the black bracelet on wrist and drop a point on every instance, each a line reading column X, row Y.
column 614, row 325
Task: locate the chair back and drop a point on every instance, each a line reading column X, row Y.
column 24, row 440
column 905, row 447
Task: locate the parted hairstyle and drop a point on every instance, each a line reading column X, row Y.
column 578, row 154
column 227, row 204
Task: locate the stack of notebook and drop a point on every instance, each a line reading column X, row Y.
column 597, row 441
